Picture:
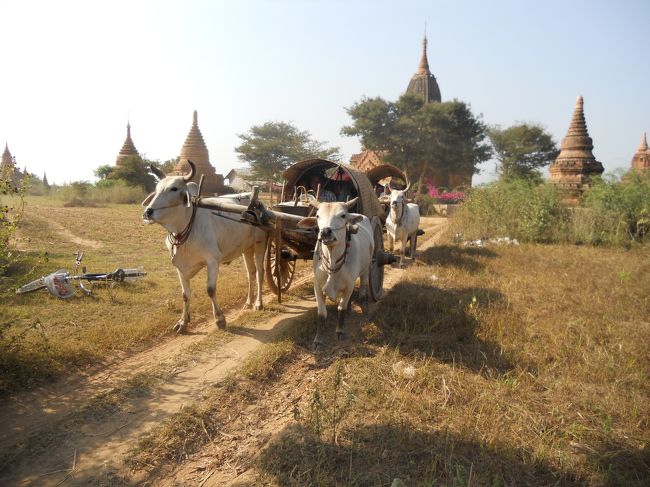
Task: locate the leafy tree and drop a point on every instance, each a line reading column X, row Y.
column 522, row 150
column 273, row 147
column 133, row 170
column 168, row 165
column 104, row 172
column 419, row 137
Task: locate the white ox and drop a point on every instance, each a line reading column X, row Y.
column 343, row 253
column 200, row 237
column 402, row 222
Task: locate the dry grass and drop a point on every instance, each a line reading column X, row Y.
column 531, row 368
column 529, row 365
column 43, row 338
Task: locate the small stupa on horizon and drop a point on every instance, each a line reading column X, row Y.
column 575, row 165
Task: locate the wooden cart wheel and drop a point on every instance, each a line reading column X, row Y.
column 287, row 268
column 376, row 270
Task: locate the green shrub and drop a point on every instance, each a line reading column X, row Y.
column 516, row 208
column 615, row 211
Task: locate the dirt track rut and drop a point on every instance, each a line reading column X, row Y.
column 94, row 449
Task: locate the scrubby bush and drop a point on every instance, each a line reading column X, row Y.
column 515, row 208
column 613, row 212
column 11, row 210
column 104, row 192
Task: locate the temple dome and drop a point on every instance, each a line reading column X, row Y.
column 424, row 83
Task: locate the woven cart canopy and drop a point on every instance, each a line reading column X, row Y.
column 369, row 203
column 384, row 171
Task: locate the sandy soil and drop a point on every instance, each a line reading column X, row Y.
column 91, row 452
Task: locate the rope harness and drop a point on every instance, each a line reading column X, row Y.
column 401, row 215
column 178, row 239
column 340, row 262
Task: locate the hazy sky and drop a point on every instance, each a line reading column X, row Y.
column 74, row 72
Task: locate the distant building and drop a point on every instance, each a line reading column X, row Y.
column 575, row 165
column 641, row 158
column 128, row 148
column 8, row 168
column 196, row 151
column 424, row 84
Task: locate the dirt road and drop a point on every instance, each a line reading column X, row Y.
column 73, row 433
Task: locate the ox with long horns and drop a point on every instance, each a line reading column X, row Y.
column 200, row 238
column 403, row 221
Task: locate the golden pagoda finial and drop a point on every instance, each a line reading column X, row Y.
column 424, row 62
column 195, row 118
column 644, row 143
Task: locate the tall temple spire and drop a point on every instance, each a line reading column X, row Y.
column 641, row 159
column 424, row 62
column 128, row 148
column 575, row 164
column 423, row 83
column 196, row 151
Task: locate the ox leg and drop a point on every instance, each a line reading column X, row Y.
column 363, row 291
column 213, row 273
column 390, row 241
column 401, row 257
column 180, row 325
column 250, row 271
column 343, row 304
column 260, row 252
column 322, row 314
column 414, row 242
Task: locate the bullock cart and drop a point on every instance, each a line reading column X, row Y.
column 327, row 181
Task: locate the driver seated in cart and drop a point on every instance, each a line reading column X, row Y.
column 324, row 195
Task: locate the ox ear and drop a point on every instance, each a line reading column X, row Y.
column 351, row 204
column 148, row 199
column 191, row 191
column 308, row 223
column 354, row 218
column 311, row 199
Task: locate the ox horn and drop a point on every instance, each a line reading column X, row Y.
column 408, row 183
column 156, row 172
column 188, row 177
column 350, row 204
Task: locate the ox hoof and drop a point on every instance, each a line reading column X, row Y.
column 247, row 306
column 259, row 307
column 221, row 324
column 179, row 327
column 340, row 335
column 317, row 345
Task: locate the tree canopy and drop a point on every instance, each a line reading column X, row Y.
column 133, row 170
column 274, row 146
column 522, row 150
column 421, row 137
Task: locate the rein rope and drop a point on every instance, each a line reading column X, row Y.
column 340, row 262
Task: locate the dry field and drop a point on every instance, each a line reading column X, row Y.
column 496, row 366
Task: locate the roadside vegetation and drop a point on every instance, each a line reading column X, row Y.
column 615, row 211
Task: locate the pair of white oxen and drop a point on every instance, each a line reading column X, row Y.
column 206, row 238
